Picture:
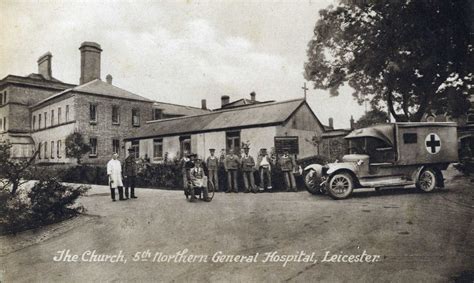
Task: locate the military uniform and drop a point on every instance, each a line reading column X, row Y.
column 186, row 164
column 198, row 179
column 287, row 166
column 212, row 164
column 232, row 164
column 248, row 166
column 130, row 172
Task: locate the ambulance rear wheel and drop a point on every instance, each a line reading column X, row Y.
column 340, row 186
column 426, row 180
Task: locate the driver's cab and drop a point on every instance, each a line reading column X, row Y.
column 377, row 145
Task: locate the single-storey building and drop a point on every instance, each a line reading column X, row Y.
column 291, row 124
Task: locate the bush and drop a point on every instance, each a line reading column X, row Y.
column 52, row 201
column 161, row 175
column 47, row 202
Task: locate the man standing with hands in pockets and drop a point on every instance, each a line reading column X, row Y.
column 130, row 173
column 114, row 172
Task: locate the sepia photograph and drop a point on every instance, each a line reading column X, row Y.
column 237, row 141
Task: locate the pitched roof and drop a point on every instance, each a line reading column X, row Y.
column 36, row 80
column 176, row 109
column 255, row 115
column 98, row 87
column 102, row 88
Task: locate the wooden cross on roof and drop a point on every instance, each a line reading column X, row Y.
column 305, row 89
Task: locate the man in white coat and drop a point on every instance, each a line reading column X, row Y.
column 114, row 171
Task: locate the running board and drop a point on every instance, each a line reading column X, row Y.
column 385, row 182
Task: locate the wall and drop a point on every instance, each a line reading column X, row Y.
column 104, row 130
column 54, row 105
column 53, row 134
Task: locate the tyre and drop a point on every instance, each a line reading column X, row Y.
column 426, row 181
column 311, row 182
column 210, row 189
column 340, row 186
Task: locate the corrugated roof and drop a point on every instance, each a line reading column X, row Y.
column 260, row 114
column 177, row 109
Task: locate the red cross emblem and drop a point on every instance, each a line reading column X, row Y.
column 433, row 143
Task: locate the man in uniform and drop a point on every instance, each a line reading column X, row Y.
column 288, row 165
column 212, row 164
column 130, row 173
column 264, row 166
column 248, row 165
column 186, row 164
column 114, row 172
column 232, row 164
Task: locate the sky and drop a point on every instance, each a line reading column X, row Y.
column 176, row 51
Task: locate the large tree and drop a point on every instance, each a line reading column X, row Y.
column 14, row 171
column 412, row 57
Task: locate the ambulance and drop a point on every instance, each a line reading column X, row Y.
column 388, row 155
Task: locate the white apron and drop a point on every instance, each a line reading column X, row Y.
column 114, row 170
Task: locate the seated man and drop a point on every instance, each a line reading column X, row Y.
column 198, row 179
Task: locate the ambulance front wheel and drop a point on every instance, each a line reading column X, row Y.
column 426, row 180
column 311, row 182
column 340, row 186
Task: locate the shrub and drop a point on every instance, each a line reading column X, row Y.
column 52, row 201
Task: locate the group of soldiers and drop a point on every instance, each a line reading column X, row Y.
column 232, row 163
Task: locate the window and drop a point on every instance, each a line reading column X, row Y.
column 115, row 146
column 59, row 115
column 157, row 114
column 1, row 98
column 45, row 150
column 115, row 114
column 33, row 126
column 52, row 149
column 52, row 117
column 135, row 117
column 93, row 113
column 39, row 121
column 45, row 118
column 158, row 148
column 5, row 97
column 410, row 138
column 185, row 144
column 39, row 150
column 4, row 123
column 136, row 148
column 1, row 124
column 233, row 141
column 93, row 144
column 58, row 148
column 67, row 113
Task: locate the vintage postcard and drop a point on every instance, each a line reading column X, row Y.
column 236, row 141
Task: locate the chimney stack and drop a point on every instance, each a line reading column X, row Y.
column 90, row 61
column 109, row 79
column 44, row 65
column 352, row 123
column 203, row 104
column 253, row 95
column 331, row 123
column 225, row 99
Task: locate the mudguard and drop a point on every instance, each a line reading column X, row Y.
column 316, row 167
column 343, row 165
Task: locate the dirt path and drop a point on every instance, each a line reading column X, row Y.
column 419, row 237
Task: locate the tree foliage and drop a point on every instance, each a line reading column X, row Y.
column 372, row 117
column 76, row 147
column 414, row 57
column 13, row 171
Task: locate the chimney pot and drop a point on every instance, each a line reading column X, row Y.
column 109, row 78
column 331, row 123
column 44, row 65
column 253, row 95
column 225, row 99
column 90, row 61
column 203, row 104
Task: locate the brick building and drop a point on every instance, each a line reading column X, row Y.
column 39, row 111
